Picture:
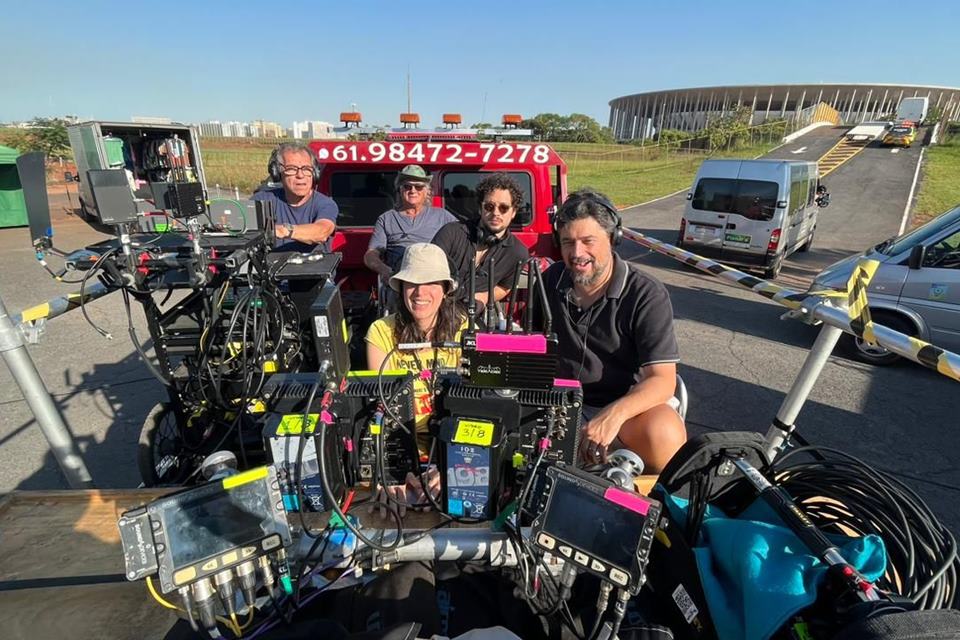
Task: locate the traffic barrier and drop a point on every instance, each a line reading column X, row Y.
column 821, row 305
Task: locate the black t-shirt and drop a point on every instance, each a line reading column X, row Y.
column 605, row 346
column 457, row 241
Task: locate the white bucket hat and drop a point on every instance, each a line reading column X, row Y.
column 423, row 263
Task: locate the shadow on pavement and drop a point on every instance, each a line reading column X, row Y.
column 124, row 404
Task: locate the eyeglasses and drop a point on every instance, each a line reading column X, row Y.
column 490, row 207
column 291, row 171
column 413, row 186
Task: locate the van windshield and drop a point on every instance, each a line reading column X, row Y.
column 753, row 199
column 920, row 235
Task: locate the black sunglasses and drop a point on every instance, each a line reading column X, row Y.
column 489, row 207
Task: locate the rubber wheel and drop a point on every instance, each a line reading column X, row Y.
column 806, row 245
column 773, row 270
column 160, row 456
column 859, row 350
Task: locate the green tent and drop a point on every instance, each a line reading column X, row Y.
column 13, row 210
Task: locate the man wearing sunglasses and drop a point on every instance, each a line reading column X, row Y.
column 413, row 219
column 487, row 240
column 305, row 218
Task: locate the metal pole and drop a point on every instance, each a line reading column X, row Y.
column 783, row 424
column 24, row 371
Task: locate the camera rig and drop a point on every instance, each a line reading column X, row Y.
column 224, row 311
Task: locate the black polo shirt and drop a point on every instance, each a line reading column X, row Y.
column 605, row 345
column 457, row 241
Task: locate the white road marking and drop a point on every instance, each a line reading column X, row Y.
column 906, row 209
column 894, row 150
column 800, row 150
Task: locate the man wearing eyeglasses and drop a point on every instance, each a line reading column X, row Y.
column 487, row 240
column 305, row 218
column 413, row 219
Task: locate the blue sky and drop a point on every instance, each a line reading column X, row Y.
column 196, row 61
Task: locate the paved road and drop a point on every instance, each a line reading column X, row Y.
column 739, row 359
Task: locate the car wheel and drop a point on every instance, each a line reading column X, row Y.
column 859, row 349
column 161, row 458
column 806, row 245
column 773, row 270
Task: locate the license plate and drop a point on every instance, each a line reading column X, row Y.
column 736, row 237
column 704, row 232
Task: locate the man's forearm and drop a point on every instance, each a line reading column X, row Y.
column 373, row 261
column 314, row 232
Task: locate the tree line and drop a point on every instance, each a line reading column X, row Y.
column 44, row 134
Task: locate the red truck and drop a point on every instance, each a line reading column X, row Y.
column 359, row 176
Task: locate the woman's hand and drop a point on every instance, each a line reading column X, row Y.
column 410, row 494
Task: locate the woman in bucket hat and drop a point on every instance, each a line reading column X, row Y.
column 428, row 312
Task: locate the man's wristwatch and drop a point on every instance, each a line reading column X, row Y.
column 289, row 228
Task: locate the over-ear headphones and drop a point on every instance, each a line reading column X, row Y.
column 276, row 173
column 482, row 237
column 595, row 198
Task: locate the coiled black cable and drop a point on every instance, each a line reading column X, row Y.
column 842, row 494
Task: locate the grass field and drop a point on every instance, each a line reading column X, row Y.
column 634, row 180
column 940, row 180
column 627, row 174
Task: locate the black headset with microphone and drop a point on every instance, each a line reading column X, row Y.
column 274, row 164
column 594, row 198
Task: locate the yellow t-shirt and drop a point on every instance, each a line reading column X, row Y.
column 381, row 336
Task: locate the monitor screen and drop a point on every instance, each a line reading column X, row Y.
column 585, row 520
column 212, row 524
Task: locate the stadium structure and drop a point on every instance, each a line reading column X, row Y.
column 641, row 115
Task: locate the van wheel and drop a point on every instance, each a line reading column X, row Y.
column 806, row 245
column 859, row 349
column 773, row 270
column 161, row 457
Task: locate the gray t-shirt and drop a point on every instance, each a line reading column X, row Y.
column 395, row 231
column 318, row 207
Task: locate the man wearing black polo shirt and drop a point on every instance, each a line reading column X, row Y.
column 614, row 324
column 487, row 240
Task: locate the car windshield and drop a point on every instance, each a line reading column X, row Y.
column 920, row 235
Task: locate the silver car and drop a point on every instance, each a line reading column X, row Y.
column 915, row 291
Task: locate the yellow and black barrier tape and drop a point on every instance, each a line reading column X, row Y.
column 61, row 304
column 855, row 319
column 857, row 307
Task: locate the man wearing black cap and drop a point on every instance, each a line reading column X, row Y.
column 413, row 219
column 487, row 241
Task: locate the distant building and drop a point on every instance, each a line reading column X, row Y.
column 317, row 129
column 211, row 129
column 641, row 116
column 268, row 129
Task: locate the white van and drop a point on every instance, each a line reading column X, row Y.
column 913, row 110
column 752, row 213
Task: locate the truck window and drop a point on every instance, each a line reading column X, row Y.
column 362, row 196
column 460, row 195
column 753, row 199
